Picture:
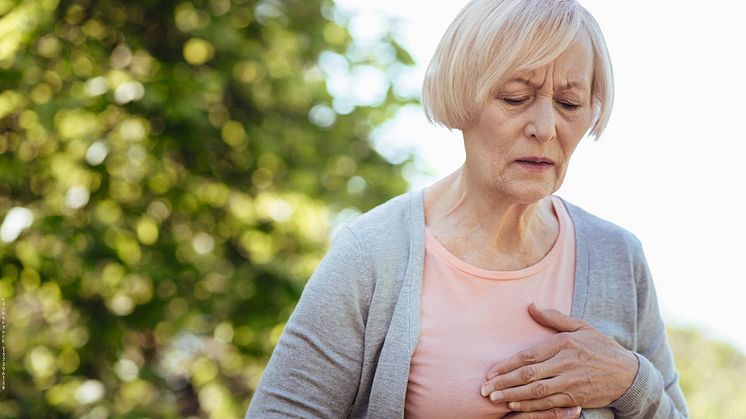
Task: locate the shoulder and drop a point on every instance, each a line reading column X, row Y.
column 386, row 237
column 363, row 250
column 599, row 228
column 393, row 220
column 602, row 236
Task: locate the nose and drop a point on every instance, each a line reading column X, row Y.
column 541, row 125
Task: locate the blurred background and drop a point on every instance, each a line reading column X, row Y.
column 171, row 172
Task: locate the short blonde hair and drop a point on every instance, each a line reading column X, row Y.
column 490, row 39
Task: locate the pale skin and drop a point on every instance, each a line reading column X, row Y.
column 495, row 213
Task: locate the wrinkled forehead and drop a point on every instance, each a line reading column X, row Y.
column 570, row 69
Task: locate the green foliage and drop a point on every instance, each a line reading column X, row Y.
column 182, row 162
column 711, row 374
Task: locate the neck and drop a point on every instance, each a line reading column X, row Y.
column 502, row 224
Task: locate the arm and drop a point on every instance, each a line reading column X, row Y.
column 655, row 393
column 315, row 368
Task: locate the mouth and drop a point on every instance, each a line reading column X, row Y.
column 536, row 160
column 535, row 163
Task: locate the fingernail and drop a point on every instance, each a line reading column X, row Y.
column 496, row 396
column 486, row 390
column 573, row 412
column 514, row 405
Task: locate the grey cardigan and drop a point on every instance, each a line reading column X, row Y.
column 346, row 348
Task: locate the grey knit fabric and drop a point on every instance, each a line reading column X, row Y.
column 346, row 348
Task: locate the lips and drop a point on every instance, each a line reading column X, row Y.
column 535, row 160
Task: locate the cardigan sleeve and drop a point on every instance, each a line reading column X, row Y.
column 315, row 369
column 655, row 392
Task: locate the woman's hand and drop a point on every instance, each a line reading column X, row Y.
column 579, row 367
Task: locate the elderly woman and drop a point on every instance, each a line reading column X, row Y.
column 484, row 295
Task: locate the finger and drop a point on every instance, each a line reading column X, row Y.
column 555, row 320
column 536, row 390
column 520, row 376
column 547, row 403
column 559, row 412
column 533, row 355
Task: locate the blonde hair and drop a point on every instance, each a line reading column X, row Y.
column 490, row 39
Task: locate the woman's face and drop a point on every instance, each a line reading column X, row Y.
column 521, row 143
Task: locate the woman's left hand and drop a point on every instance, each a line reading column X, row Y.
column 580, row 366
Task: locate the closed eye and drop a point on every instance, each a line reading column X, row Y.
column 515, row 101
column 568, row 105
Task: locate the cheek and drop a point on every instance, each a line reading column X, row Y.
column 574, row 132
column 569, row 150
column 490, row 142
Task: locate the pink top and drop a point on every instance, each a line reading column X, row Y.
column 473, row 317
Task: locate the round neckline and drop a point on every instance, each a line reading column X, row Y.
column 509, row 275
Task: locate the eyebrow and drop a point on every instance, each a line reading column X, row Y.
column 566, row 86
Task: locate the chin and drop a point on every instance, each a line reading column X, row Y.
column 529, row 194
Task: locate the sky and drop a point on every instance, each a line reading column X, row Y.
column 669, row 167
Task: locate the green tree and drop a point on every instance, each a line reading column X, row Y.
column 169, row 175
column 169, row 171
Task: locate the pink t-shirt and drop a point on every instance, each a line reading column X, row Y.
column 473, row 317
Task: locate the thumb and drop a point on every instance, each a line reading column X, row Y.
column 554, row 319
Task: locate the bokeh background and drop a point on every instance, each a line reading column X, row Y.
column 170, row 175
